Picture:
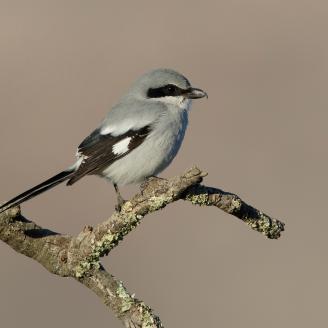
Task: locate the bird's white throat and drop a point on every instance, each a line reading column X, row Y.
column 181, row 102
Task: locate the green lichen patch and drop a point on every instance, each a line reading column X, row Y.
column 148, row 318
column 156, row 203
column 126, row 300
column 199, row 199
column 235, row 205
column 271, row 228
column 108, row 241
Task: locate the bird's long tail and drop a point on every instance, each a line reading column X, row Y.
column 38, row 189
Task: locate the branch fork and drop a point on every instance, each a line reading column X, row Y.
column 79, row 257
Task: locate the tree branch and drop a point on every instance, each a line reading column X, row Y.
column 234, row 205
column 79, row 257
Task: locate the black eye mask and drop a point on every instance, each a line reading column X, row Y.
column 165, row 91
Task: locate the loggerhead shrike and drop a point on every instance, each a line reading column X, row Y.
column 138, row 139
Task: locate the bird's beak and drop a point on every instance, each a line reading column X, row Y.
column 194, row 93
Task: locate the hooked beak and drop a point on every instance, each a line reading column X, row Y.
column 195, row 93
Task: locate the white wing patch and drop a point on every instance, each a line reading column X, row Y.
column 118, row 129
column 122, row 146
column 106, row 130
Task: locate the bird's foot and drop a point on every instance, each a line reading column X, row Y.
column 149, row 180
column 120, row 203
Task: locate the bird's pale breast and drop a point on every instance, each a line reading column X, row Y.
column 154, row 154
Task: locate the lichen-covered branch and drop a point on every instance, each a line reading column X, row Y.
column 233, row 204
column 56, row 253
column 79, row 257
column 155, row 194
column 45, row 246
column 131, row 311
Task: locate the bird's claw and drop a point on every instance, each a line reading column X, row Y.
column 120, row 203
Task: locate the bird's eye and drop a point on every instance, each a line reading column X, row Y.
column 170, row 89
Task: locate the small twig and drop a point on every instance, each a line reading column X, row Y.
column 234, row 205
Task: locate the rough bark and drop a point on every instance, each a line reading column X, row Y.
column 79, row 256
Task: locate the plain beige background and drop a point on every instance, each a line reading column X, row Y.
column 261, row 134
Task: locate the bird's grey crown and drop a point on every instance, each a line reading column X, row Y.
column 155, row 79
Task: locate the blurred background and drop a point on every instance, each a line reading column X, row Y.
column 261, row 134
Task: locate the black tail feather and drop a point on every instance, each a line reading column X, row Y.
column 38, row 189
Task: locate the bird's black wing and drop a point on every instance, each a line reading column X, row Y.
column 99, row 151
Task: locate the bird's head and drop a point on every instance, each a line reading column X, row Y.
column 166, row 86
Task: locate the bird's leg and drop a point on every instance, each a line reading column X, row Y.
column 120, row 200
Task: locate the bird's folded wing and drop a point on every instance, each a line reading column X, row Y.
column 98, row 151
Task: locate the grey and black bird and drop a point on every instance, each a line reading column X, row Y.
column 138, row 139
